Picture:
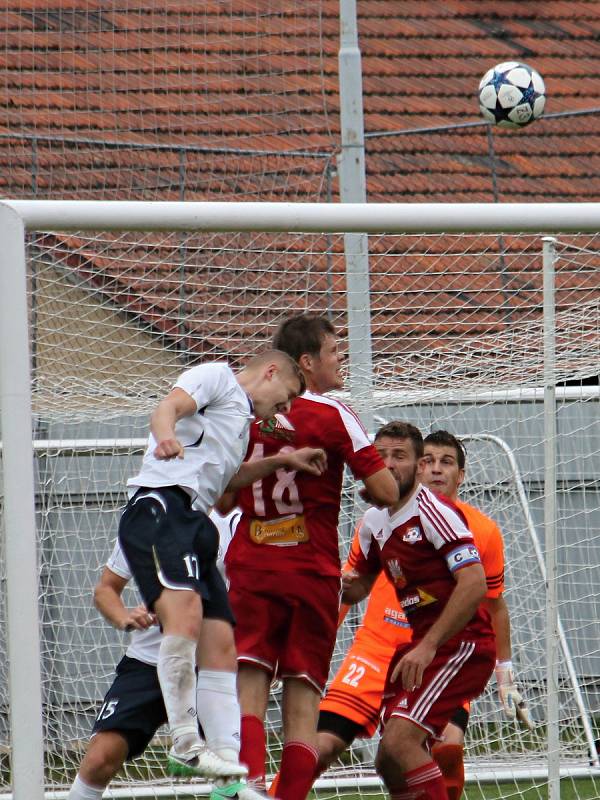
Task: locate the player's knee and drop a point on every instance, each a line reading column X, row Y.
column 217, row 646
column 401, row 745
column 101, row 764
column 453, row 735
column 180, row 613
column 228, row 654
column 386, row 762
column 329, row 748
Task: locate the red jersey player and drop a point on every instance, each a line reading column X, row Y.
column 426, row 550
column 353, row 700
column 283, row 561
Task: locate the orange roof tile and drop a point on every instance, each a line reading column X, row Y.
column 97, row 97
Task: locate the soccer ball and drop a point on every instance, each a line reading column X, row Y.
column 512, row 95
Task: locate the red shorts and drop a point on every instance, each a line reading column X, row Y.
column 458, row 673
column 285, row 623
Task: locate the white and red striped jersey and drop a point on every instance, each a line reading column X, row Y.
column 419, row 548
column 289, row 521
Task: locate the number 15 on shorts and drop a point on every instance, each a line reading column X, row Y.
column 107, row 710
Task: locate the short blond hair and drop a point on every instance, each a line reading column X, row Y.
column 285, row 361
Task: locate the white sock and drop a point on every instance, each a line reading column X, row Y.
column 176, row 674
column 219, row 712
column 82, row 791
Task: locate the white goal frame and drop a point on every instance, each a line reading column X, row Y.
column 19, row 216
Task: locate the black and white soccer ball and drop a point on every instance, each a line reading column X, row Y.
column 512, row 95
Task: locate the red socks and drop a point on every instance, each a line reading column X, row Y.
column 450, row 760
column 296, row 775
column 273, row 790
column 423, row 783
column 253, row 749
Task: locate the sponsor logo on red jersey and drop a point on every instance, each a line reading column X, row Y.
column 396, row 572
column 279, row 427
column 412, row 535
column 416, row 599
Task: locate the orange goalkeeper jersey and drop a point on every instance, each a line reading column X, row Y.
column 384, row 626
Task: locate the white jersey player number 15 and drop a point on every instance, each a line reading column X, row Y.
column 285, row 482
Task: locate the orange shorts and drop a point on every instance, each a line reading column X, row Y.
column 356, row 690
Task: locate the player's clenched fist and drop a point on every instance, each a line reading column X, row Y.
column 138, row 619
column 167, row 449
column 307, row 459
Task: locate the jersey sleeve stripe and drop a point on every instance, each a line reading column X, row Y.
column 352, row 424
column 436, row 518
column 443, row 521
column 435, row 525
column 351, row 411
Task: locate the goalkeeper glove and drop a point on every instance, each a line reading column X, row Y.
column 513, row 704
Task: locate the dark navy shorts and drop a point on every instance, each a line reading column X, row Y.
column 133, row 705
column 168, row 545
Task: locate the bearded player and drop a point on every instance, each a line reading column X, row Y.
column 428, row 553
column 352, row 704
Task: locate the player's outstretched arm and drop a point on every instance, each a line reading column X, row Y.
column 306, row 459
column 226, row 503
column 109, row 602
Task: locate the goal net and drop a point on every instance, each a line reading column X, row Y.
column 457, row 343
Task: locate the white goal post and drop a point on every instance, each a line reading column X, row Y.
column 20, row 219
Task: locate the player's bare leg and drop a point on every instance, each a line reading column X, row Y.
column 404, row 764
column 330, row 747
column 104, row 757
column 180, row 614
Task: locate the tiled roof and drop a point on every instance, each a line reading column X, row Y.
column 239, row 100
column 263, row 76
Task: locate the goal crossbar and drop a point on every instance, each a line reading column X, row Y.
column 19, row 216
column 71, row 215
